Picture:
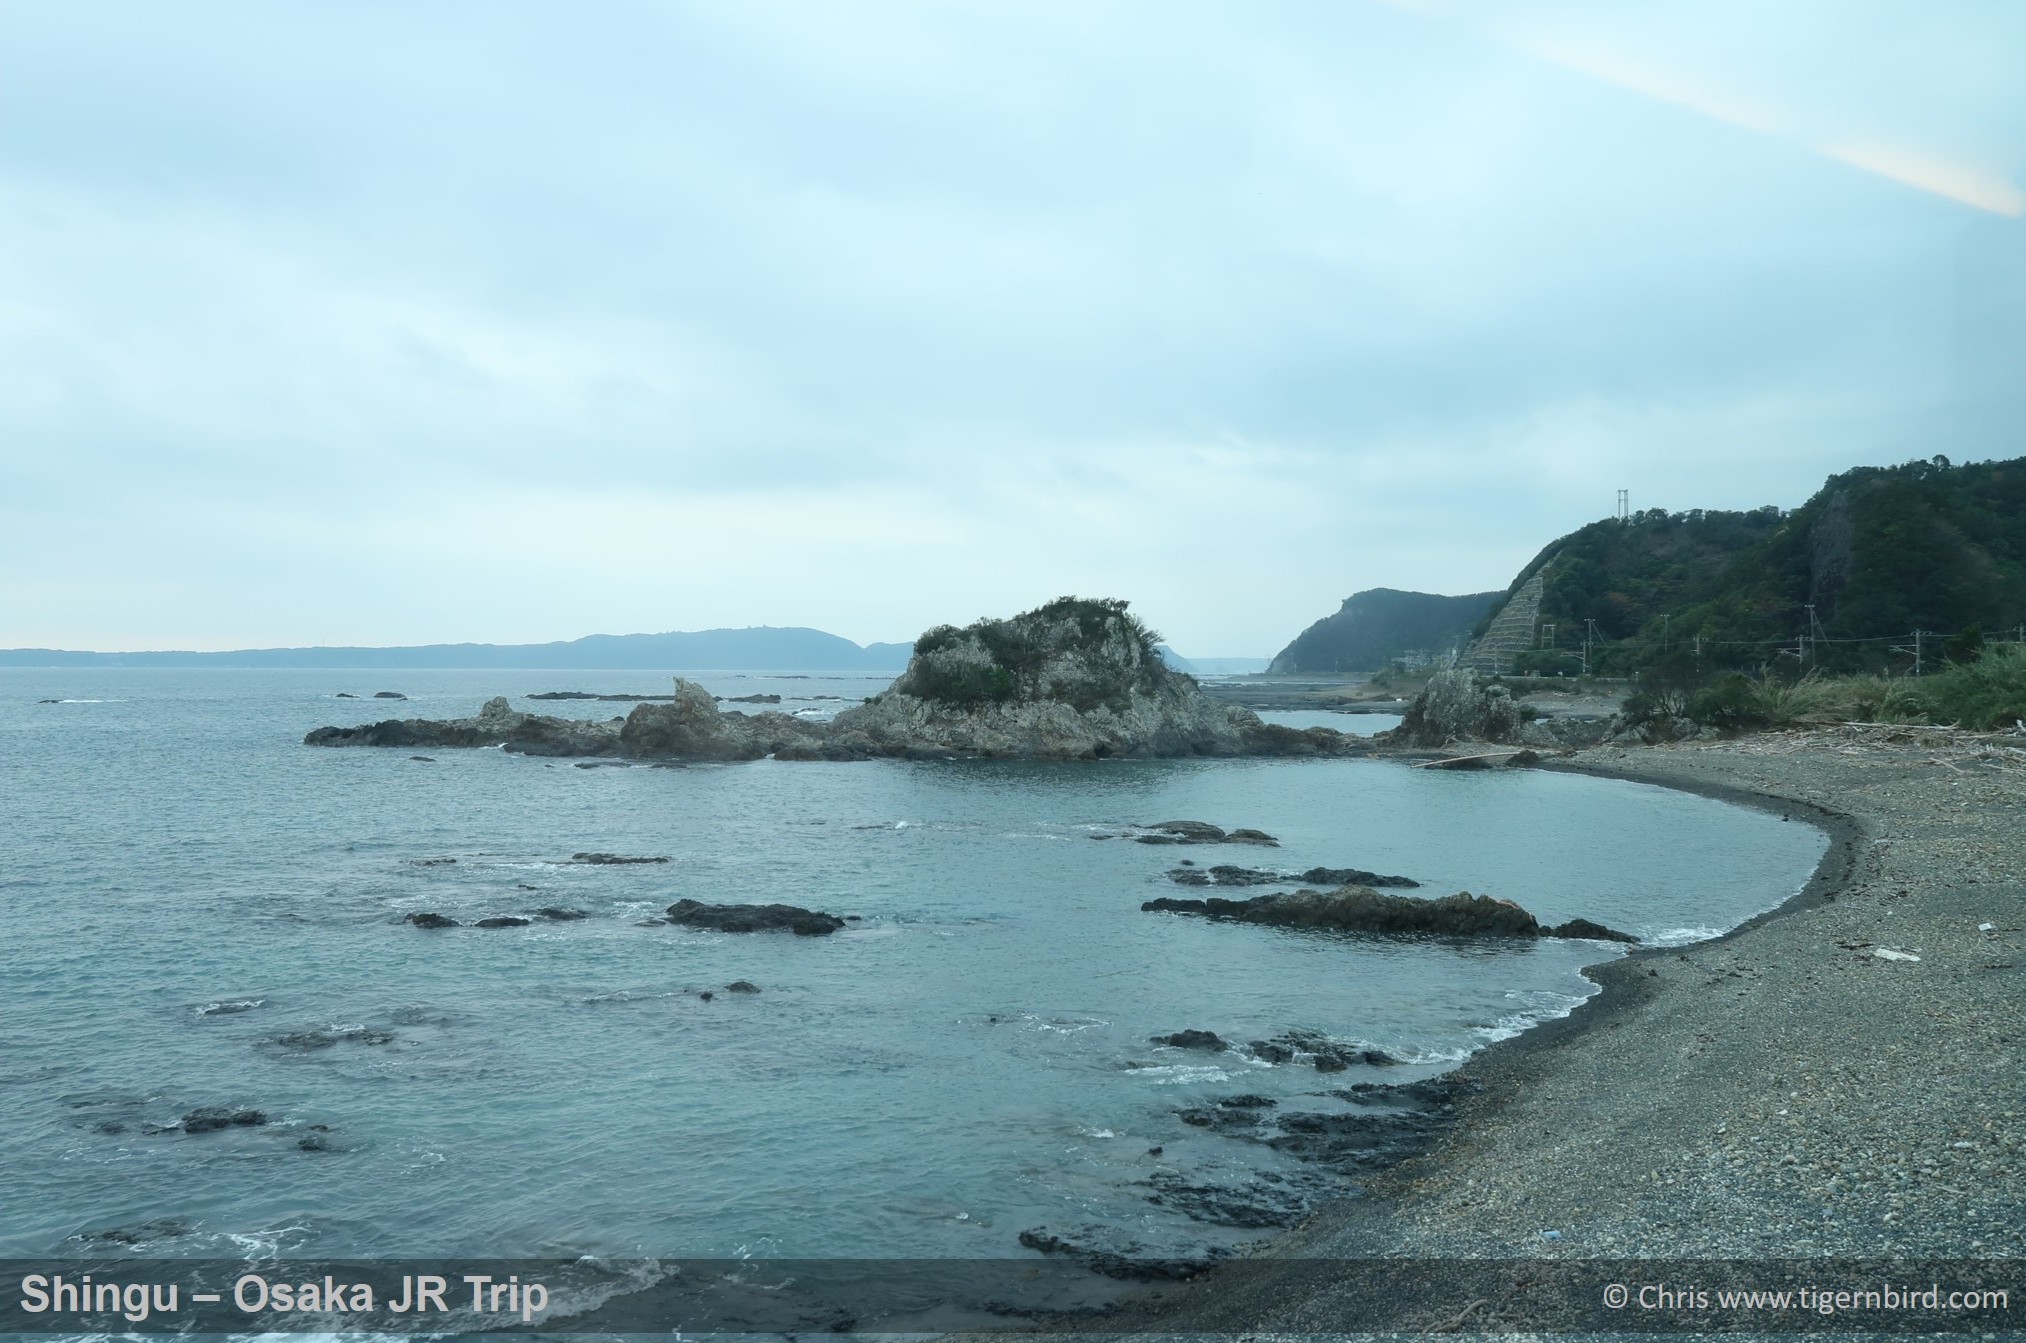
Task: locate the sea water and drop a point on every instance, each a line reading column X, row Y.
column 200, row 911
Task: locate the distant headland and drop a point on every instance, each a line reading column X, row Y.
column 761, row 648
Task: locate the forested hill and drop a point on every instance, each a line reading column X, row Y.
column 1376, row 626
column 1878, row 552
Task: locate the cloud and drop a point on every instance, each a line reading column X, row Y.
column 499, row 323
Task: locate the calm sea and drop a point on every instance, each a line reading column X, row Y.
column 202, row 912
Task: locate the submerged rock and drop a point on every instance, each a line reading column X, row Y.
column 503, row 921
column 1361, row 909
column 742, row 986
column 430, row 920
column 388, row 694
column 142, row 1233
column 754, row 918
column 322, row 1039
column 1116, row 1253
column 561, row 915
column 211, row 1118
column 1264, row 1199
column 610, row 859
column 1225, row 874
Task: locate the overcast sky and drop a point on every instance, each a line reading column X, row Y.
column 414, row 322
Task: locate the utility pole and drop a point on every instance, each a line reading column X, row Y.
column 1589, row 634
column 1913, row 648
column 1698, row 650
column 1808, row 639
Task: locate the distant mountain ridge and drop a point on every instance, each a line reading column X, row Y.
column 760, row 648
column 1377, row 625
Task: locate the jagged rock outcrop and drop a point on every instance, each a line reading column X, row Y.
column 1460, row 706
column 691, row 727
column 1361, row 909
column 1074, row 679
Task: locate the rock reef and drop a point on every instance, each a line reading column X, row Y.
column 1359, row 909
column 1076, row 679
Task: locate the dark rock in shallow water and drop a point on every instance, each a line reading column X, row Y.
column 742, row 986
column 342, row 694
column 1585, row 928
column 1353, row 876
column 430, row 921
column 388, row 694
column 561, row 915
column 424, row 759
column 1267, row 1199
column 211, row 1118
column 325, row 1039
column 610, row 859
column 754, row 918
column 1192, row 1040
column 1226, row 874
column 431, row 862
column 1361, row 909
column 1201, row 832
column 1327, row 1055
column 1116, row 1254
column 752, row 699
column 562, row 694
column 159, row 1228
column 503, row 921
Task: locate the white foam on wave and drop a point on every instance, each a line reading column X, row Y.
column 1549, row 1007
column 1065, row 1025
column 1681, row 937
column 228, row 1006
column 1182, row 1074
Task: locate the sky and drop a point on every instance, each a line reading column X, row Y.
column 427, row 321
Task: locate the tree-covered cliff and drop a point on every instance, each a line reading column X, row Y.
column 1878, row 553
column 1376, row 626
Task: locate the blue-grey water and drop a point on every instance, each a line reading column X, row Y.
column 185, row 884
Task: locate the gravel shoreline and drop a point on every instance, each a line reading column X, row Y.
column 1781, row 1092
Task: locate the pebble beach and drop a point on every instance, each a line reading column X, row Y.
column 1841, row 1077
